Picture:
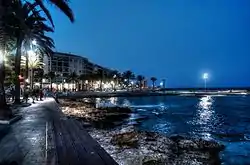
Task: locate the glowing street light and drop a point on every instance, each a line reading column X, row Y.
column 205, row 77
column 32, row 57
column 31, row 61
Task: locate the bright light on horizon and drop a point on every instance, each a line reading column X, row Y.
column 205, row 76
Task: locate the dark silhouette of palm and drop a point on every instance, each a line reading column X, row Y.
column 83, row 78
column 128, row 75
column 73, row 77
column 21, row 21
column 140, row 79
column 100, row 75
column 153, row 79
column 63, row 5
column 25, row 23
column 51, row 76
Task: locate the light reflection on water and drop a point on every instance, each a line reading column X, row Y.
column 225, row 119
column 205, row 118
column 205, row 110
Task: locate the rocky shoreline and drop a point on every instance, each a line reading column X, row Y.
column 129, row 146
column 102, row 117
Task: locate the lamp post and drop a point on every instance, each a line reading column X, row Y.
column 205, row 77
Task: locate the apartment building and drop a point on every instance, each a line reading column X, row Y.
column 64, row 64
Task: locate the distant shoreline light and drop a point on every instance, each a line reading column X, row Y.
column 205, row 76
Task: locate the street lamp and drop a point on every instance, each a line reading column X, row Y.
column 205, row 77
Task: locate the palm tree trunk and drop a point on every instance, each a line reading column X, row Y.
column 101, row 85
column 26, row 71
column 5, row 112
column 50, row 84
column 82, row 85
column 31, row 78
column 17, row 68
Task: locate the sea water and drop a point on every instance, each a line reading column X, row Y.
column 225, row 119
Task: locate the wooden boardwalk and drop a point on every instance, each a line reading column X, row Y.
column 47, row 137
column 68, row 143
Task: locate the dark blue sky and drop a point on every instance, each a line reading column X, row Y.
column 173, row 39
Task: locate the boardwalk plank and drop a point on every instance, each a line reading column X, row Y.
column 60, row 148
column 84, row 144
column 106, row 158
column 68, row 143
column 51, row 156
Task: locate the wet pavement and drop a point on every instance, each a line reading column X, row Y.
column 25, row 141
column 45, row 136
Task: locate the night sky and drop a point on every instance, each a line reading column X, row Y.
column 173, row 39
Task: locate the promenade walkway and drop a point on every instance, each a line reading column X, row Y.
column 45, row 136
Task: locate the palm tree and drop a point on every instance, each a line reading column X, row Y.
column 128, row 75
column 119, row 78
column 114, row 76
column 38, row 76
column 5, row 112
column 25, row 22
column 9, row 9
column 82, row 78
column 140, row 78
column 63, row 5
column 92, row 77
column 100, row 75
column 51, row 76
column 8, row 63
column 73, row 77
column 34, row 62
column 153, row 79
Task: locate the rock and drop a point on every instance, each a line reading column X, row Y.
column 127, row 129
column 151, row 148
column 150, row 136
column 187, row 144
column 196, row 144
column 127, row 139
column 116, row 109
column 106, row 117
column 153, row 162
